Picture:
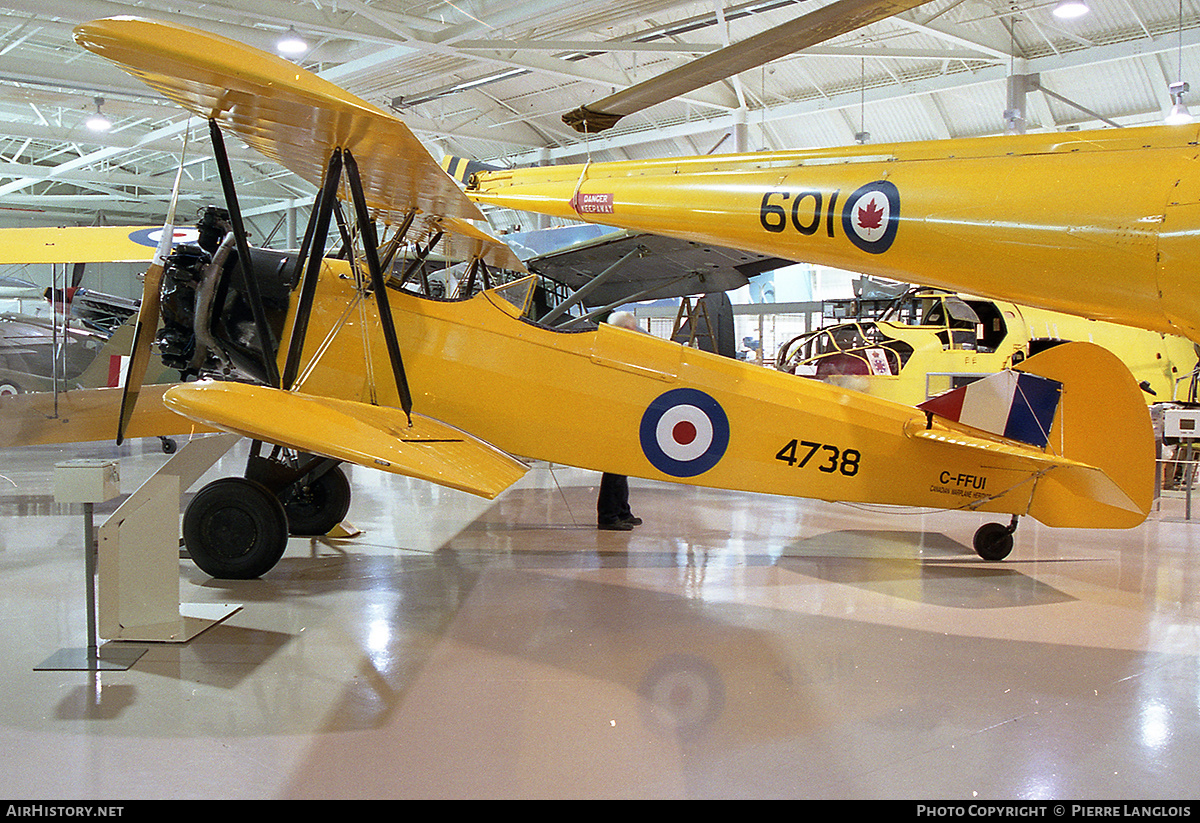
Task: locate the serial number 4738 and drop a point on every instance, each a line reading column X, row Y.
column 829, row 459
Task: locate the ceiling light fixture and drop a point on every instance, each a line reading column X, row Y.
column 1070, row 9
column 98, row 122
column 1179, row 114
column 291, row 42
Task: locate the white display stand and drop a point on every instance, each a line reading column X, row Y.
column 89, row 482
column 139, row 555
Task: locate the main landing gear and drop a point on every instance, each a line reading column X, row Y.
column 237, row 528
column 994, row 541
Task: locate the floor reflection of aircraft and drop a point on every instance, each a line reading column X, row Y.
column 330, row 361
column 930, row 341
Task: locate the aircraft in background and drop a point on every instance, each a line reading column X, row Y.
column 1057, row 236
column 77, row 342
column 331, row 361
column 1102, row 224
column 931, row 340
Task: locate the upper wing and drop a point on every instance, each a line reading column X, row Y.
column 290, row 115
column 466, row 241
column 78, row 244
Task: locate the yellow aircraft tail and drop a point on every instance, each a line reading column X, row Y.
column 461, row 168
column 1103, row 427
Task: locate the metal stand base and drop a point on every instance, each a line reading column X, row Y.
column 106, row 658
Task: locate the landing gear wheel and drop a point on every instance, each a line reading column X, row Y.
column 993, row 541
column 316, row 508
column 235, row 529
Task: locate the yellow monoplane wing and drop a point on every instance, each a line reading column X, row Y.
column 79, row 244
column 379, row 437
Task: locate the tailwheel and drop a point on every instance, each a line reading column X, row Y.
column 994, row 541
column 235, row 529
column 316, row 506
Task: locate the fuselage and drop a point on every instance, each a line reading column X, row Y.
column 620, row 401
column 1102, row 224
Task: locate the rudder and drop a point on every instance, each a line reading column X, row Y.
column 1102, row 421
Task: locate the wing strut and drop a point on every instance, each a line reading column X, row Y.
column 366, row 228
column 419, row 260
column 253, row 296
column 312, row 252
column 587, row 288
column 478, row 268
column 397, row 238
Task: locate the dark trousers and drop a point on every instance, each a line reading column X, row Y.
column 612, row 504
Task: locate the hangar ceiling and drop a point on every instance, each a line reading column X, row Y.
column 490, row 79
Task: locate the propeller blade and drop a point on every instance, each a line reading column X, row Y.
column 836, row 19
column 148, row 311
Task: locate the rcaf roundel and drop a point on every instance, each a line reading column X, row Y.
column 151, row 237
column 684, row 432
column 871, row 216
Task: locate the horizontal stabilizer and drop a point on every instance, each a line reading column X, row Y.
column 1010, row 404
column 1095, row 469
column 378, row 437
column 1086, row 482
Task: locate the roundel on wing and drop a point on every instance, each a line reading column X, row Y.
column 871, row 216
column 151, row 237
column 684, row 432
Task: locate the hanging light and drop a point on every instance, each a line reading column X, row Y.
column 291, row 42
column 1070, row 9
column 98, row 122
column 1179, row 113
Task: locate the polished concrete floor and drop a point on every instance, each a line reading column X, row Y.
column 733, row 646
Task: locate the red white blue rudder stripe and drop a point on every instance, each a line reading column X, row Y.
column 1012, row 404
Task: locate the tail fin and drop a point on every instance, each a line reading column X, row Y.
column 1104, row 423
column 461, row 169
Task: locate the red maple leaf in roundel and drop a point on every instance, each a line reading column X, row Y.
column 870, row 216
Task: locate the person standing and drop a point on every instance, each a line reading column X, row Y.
column 612, row 503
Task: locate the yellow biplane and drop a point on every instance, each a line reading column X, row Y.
column 330, row 360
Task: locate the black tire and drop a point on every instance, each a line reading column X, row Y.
column 8, row 387
column 235, row 529
column 316, row 508
column 993, row 541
